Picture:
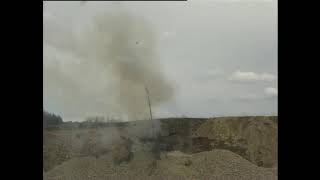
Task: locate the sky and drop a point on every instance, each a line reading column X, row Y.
column 219, row 57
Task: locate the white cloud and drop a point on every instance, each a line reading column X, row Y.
column 271, row 92
column 240, row 76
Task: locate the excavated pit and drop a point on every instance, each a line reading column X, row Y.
column 253, row 138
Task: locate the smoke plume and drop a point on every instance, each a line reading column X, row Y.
column 122, row 47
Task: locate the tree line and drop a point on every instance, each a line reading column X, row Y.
column 50, row 119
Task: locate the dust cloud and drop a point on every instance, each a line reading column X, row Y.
column 123, row 48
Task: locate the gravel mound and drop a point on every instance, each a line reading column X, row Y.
column 215, row 164
column 254, row 138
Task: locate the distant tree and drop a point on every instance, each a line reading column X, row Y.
column 50, row 119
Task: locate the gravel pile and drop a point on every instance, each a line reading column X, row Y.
column 215, row 164
column 254, row 138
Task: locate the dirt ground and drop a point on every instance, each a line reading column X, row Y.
column 216, row 164
column 218, row 148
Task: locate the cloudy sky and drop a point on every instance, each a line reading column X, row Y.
column 220, row 57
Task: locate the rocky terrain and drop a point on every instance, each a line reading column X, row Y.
column 186, row 148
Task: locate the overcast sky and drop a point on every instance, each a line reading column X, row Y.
column 220, row 57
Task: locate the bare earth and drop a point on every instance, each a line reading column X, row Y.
column 216, row 164
column 220, row 148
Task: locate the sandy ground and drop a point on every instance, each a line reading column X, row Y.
column 224, row 148
column 215, row 164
